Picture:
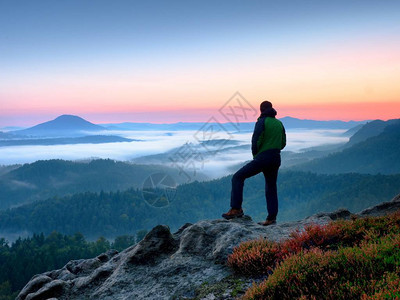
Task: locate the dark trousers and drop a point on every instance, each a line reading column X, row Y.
column 267, row 162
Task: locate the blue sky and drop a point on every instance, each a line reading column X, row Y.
column 45, row 30
column 81, row 45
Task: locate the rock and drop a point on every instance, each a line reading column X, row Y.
column 382, row 209
column 83, row 266
column 157, row 242
column 50, row 290
column 396, row 198
column 165, row 265
column 34, row 285
column 107, row 256
column 336, row 215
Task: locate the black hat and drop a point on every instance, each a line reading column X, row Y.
column 265, row 105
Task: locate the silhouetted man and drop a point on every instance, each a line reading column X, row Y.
column 269, row 138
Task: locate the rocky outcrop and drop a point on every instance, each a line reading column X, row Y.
column 165, row 265
column 383, row 208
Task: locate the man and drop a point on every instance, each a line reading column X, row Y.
column 269, row 138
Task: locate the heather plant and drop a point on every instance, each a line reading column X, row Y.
column 255, row 257
column 259, row 257
column 386, row 288
column 348, row 273
column 352, row 259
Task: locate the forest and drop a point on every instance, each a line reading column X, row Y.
column 39, row 253
column 46, row 178
column 111, row 214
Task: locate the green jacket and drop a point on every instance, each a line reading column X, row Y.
column 269, row 133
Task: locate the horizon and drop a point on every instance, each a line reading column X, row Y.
column 178, row 61
column 174, row 122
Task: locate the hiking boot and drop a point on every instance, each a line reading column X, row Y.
column 233, row 213
column 267, row 222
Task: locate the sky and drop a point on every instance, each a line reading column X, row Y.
column 181, row 61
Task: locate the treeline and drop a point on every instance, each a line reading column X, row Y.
column 111, row 214
column 45, row 178
column 39, row 253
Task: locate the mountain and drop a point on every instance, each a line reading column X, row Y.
column 181, row 126
column 69, row 125
column 6, row 135
column 290, row 123
column 192, row 263
column 65, row 125
column 375, row 154
column 353, row 130
column 89, row 139
column 370, row 129
column 154, row 126
column 12, row 128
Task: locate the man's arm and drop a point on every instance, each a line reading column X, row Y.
column 258, row 129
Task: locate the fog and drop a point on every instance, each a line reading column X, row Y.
column 151, row 142
column 301, row 139
column 214, row 164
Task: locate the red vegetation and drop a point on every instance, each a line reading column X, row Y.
column 355, row 259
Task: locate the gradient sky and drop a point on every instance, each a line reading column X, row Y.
column 171, row 61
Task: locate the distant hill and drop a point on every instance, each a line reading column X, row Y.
column 12, row 128
column 353, row 130
column 73, row 126
column 47, row 178
column 6, row 135
column 90, row 139
column 154, row 126
column 70, row 125
column 180, row 126
column 65, row 125
column 370, row 129
column 376, row 154
column 290, row 122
